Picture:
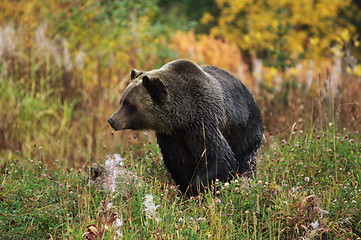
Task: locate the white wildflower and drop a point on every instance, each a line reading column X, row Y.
column 150, row 208
column 112, row 170
column 117, row 225
column 322, row 212
column 315, row 225
column 109, row 206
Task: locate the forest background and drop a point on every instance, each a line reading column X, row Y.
column 64, row 64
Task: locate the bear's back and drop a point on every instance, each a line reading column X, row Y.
column 239, row 99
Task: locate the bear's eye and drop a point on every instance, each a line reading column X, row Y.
column 126, row 103
column 129, row 107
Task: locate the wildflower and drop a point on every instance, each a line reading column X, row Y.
column 71, row 192
column 315, row 225
column 112, row 170
column 322, row 212
column 351, row 141
column 118, row 223
column 307, row 179
column 226, row 184
column 200, row 219
column 180, row 219
column 218, row 200
column 150, row 207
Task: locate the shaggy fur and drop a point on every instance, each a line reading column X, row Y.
column 207, row 123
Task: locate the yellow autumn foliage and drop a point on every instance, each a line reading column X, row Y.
column 301, row 28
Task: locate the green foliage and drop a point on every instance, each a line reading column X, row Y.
column 37, row 202
column 307, row 186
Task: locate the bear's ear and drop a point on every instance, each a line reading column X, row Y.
column 156, row 89
column 135, row 73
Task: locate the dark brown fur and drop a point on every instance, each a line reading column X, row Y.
column 207, row 123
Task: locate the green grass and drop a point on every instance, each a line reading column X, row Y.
column 307, row 186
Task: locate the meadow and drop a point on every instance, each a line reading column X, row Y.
column 64, row 174
column 307, row 187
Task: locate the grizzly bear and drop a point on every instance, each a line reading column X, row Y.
column 207, row 123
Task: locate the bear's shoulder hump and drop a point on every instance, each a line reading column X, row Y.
column 183, row 66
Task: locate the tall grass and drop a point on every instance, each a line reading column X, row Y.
column 307, row 187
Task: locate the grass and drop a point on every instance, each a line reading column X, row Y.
column 307, row 186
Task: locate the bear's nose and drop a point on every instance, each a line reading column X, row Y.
column 111, row 121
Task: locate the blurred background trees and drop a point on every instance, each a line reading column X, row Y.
column 64, row 64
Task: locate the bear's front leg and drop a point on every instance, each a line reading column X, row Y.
column 213, row 156
column 177, row 159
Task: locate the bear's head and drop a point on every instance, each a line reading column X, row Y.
column 141, row 103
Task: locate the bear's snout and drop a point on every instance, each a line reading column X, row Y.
column 111, row 122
